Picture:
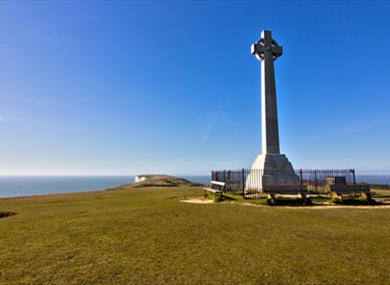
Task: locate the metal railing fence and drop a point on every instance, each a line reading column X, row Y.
column 246, row 181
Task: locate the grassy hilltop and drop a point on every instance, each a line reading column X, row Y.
column 146, row 236
column 158, row 181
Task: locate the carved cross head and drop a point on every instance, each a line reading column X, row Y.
column 266, row 45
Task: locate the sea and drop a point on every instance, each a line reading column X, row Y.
column 16, row 186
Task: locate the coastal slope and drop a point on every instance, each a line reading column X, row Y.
column 157, row 180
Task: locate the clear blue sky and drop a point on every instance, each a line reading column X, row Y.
column 127, row 88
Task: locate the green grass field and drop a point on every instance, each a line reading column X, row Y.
column 146, row 236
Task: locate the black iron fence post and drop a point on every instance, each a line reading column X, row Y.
column 243, row 182
column 301, row 176
column 316, row 182
column 228, row 180
column 353, row 176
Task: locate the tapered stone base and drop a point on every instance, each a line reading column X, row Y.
column 272, row 172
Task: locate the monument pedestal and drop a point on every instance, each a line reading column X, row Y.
column 272, row 172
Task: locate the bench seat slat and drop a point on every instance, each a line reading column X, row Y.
column 218, row 183
column 212, row 190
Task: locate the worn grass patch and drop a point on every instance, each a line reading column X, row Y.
column 6, row 214
column 146, row 236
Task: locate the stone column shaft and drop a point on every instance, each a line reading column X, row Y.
column 269, row 113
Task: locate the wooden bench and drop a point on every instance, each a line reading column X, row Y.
column 339, row 186
column 273, row 190
column 285, row 189
column 216, row 187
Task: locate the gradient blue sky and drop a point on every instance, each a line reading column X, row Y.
column 127, row 88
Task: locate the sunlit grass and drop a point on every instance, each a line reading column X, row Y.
column 146, row 236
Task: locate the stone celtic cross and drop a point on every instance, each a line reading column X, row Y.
column 266, row 51
column 275, row 167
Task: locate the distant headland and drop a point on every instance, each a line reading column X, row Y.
column 158, row 180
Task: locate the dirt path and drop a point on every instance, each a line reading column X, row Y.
column 201, row 200
column 197, row 200
column 324, row 207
